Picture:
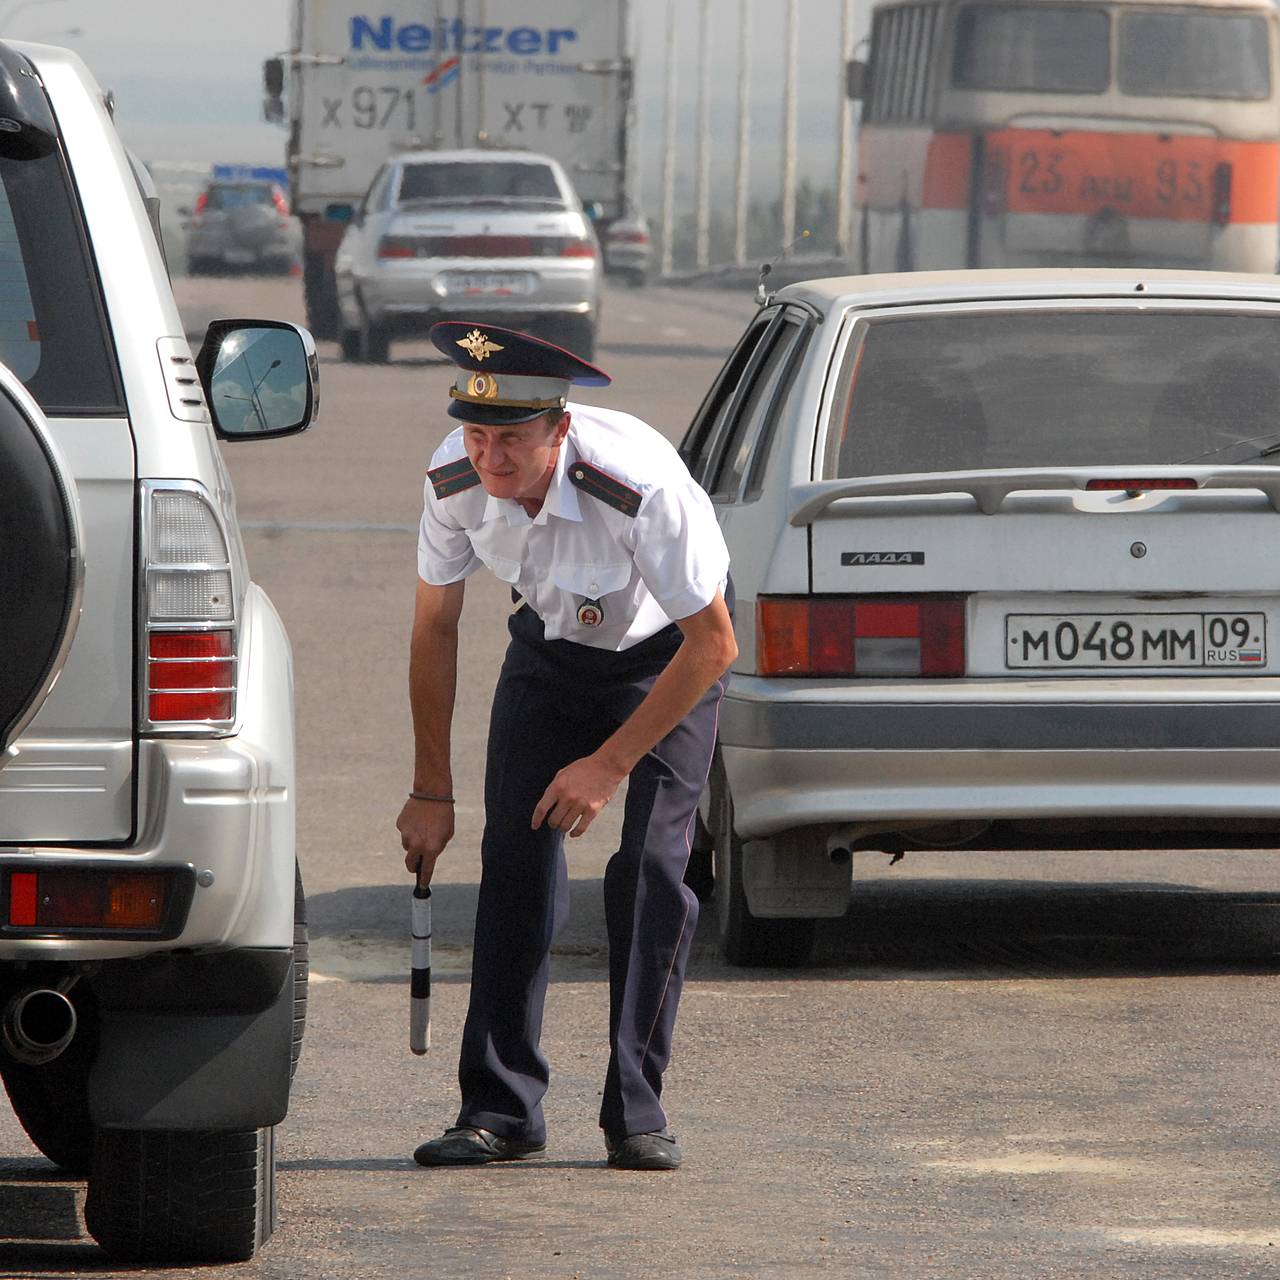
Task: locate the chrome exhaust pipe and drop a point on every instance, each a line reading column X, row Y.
column 38, row 1024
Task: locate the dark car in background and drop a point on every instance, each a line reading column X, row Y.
column 242, row 225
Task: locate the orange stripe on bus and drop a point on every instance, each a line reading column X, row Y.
column 1173, row 178
column 947, row 171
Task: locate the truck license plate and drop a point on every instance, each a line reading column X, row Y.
column 1117, row 640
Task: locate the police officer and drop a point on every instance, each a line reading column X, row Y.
column 620, row 644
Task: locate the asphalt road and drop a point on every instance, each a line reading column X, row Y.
column 997, row 1066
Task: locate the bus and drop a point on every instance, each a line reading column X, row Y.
column 1036, row 133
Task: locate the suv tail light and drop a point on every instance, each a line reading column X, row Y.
column 870, row 636
column 189, row 677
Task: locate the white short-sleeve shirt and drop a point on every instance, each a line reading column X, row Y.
column 604, row 573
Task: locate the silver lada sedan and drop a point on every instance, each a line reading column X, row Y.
column 494, row 236
column 1005, row 549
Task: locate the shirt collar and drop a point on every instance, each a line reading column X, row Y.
column 561, row 499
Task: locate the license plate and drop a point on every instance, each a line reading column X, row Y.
column 239, row 257
column 487, row 283
column 1116, row 640
column 1083, row 173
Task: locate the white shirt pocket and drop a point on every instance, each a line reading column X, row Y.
column 592, row 581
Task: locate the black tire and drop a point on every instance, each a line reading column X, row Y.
column 637, row 278
column 301, row 969
column 376, row 342
column 745, row 939
column 320, row 294
column 574, row 333
column 699, row 874
column 52, row 1102
column 194, row 1197
column 352, row 345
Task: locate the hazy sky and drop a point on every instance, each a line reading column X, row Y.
column 187, row 77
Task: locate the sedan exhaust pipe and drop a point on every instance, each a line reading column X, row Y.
column 38, row 1024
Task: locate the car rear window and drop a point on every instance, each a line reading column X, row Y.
column 448, row 180
column 1194, row 55
column 237, row 197
column 1038, row 50
column 1037, row 388
column 52, row 326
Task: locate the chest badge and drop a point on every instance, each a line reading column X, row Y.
column 590, row 613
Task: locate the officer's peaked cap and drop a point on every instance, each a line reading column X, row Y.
column 506, row 376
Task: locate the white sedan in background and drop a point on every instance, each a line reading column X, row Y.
column 498, row 237
column 1005, row 549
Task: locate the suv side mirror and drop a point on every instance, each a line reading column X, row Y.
column 260, row 377
column 857, row 79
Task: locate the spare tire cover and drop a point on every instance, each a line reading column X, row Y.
column 40, row 571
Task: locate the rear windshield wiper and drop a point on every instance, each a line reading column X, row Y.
column 1271, row 446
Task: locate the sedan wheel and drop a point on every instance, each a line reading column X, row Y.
column 746, row 939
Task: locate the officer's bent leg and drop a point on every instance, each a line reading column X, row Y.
column 522, row 902
column 651, row 915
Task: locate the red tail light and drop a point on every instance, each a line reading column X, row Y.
column 396, row 247
column 578, row 249
column 628, row 237
column 869, row 636
column 1143, row 485
column 202, row 203
column 190, row 676
column 1221, row 188
column 89, row 899
column 281, row 204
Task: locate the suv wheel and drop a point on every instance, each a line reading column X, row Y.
column 159, row 1196
column 746, row 939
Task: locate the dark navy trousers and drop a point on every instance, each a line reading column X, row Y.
column 557, row 701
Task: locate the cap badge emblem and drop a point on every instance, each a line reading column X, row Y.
column 590, row 614
column 482, row 386
column 478, row 346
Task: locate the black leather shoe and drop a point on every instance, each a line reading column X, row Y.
column 466, row 1144
column 658, row 1150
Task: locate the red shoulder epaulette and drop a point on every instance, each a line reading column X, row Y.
column 609, row 489
column 453, row 477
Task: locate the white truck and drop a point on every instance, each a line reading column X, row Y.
column 363, row 80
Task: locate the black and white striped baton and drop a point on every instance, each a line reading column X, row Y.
column 420, row 972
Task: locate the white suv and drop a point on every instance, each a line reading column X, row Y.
column 152, row 928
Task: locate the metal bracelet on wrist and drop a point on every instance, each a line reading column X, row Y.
column 427, row 795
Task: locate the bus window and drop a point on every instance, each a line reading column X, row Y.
column 1194, row 55
column 902, row 43
column 1040, row 50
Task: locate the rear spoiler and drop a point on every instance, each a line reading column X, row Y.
column 989, row 489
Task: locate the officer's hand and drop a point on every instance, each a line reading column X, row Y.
column 425, row 827
column 576, row 794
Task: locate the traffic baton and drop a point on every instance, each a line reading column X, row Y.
column 420, row 973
